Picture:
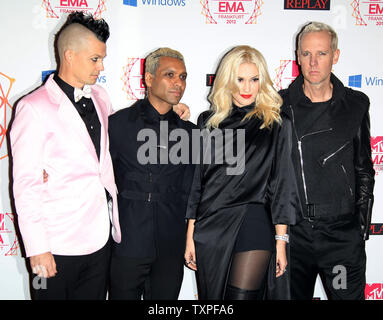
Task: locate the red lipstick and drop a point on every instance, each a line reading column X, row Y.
column 246, row 96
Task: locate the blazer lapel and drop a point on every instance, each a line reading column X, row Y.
column 103, row 118
column 70, row 117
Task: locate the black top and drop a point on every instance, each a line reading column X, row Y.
column 267, row 179
column 308, row 113
column 268, row 170
column 87, row 112
column 152, row 195
column 332, row 155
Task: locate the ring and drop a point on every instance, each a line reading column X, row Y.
column 188, row 262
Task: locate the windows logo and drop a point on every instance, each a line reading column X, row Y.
column 46, row 74
column 132, row 3
column 355, row 81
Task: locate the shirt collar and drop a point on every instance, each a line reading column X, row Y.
column 67, row 88
column 152, row 113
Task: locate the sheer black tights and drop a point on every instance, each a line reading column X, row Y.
column 247, row 275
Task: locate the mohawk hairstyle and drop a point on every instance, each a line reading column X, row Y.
column 99, row 27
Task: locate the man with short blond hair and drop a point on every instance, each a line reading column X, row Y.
column 334, row 170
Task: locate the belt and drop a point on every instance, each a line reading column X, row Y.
column 152, row 196
column 162, row 180
column 144, row 196
column 316, row 211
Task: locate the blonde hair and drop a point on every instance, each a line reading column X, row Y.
column 318, row 27
column 74, row 37
column 152, row 61
column 268, row 101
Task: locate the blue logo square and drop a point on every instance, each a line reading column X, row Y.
column 132, row 3
column 355, row 81
column 45, row 74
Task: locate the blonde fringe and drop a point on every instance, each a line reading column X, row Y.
column 267, row 107
column 268, row 102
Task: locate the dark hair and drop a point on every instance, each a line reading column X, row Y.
column 98, row 26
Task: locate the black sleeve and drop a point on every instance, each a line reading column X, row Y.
column 195, row 191
column 364, row 175
column 282, row 190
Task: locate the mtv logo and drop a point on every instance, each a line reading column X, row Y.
column 2, row 222
column 132, row 3
column 377, row 144
column 355, row 81
column 374, row 291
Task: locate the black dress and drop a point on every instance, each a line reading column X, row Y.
column 257, row 231
column 220, row 202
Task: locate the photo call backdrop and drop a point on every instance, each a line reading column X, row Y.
column 202, row 30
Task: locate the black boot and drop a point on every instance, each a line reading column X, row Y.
column 234, row 293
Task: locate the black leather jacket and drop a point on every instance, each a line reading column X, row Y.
column 332, row 157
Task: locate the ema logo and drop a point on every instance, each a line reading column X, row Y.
column 162, row 3
column 287, row 71
column 231, row 11
column 55, row 8
column 374, row 291
column 368, row 12
column 6, row 84
column 133, row 79
column 8, row 240
column 307, row 4
column 377, row 153
column 357, row 81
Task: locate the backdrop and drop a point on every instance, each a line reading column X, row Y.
column 203, row 30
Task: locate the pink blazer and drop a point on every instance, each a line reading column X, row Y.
column 68, row 215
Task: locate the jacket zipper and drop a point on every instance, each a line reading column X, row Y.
column 300, row 150
column 334, row 153
column 348, row 184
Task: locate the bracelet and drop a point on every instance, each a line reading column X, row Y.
column 284, row 237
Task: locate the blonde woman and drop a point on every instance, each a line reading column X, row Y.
column 238, row 222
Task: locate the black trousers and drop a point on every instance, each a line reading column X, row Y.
column 334, row 249
column 78, row 278
column 153, row 278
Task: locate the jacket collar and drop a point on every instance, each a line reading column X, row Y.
column 296, row 94
column 69, row 115
column 152, row 115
